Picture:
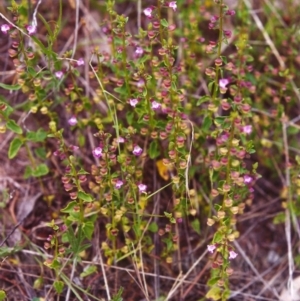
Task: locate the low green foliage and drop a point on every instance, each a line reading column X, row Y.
column 164, row 112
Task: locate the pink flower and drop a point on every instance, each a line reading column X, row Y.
column 140, row 83
column 73, row 147
column 31, row 29
column 227, row 33
column 247, row 179
column 155, row 105
column 119, row 184
column 80, row 62
column 72, row 121
column 173, row 5
column 142, row 188
column 247, row 129
column 137, row 151
column 139, row 51
column 211, row 248
column 230, row 12
column 223, row 82
column 59, row 74
column 5, row 28
column 120, row 139
column 97, row 152
column 232, row 255
column 214, row 19
column 133, row 102
column 148, row 12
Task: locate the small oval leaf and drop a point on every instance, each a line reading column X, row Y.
column 11, row 125
column 14, row 147
column 10, row 87
column 85, row 197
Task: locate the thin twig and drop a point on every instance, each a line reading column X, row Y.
column 288, row 209
column 180, row 281
column 259, row 276
column 76, row 28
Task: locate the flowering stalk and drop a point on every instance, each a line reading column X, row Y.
column 231, row 182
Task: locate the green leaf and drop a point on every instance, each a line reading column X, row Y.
column 121, row 90
column 69, row 208
column 207, row 122
column 203, row 99
column 8, row 251
column 10, row 87
column 38, row 284
column 88, row 271
column 169, row 243
column 154, row 149
column 164, row 23
column 130, row 117
column 11, row 124
column 196, row 225
column 213, row 281
column 59, row 286
column 220, row 120
column 38, row 136
column 88, row 229
column 40, row 170
column 168, row 215
column 31, row 71
column 211, row 86
column 46, row 24
column 8, row 109
column 118, row 296
column 153, row 227
column 279, row 218
column 2, row 295
column 292, row 130
column 85, row 197
column 41, row 153
column 214, row 293
column 14, row 147
column 218, row 237
column 28, row 172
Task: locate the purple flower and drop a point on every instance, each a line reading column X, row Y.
column 72, row 121
column 142, row 188
column 120, row 139
column 173, row 5
column 223, row 82
column 227, row 33
column 211, row 248
column 80, row 62
column 247, row 129
column 148, row 12
column 133, row 102
column 230, row 12
column 119, row 184
column 139, row 51
column 97, row 152
column 31, row 29
column 232, row 255
column 59, row 74
column 5, row 28
column 247, row 179
column 137, row 151
column 74, row 147
column 63, row 228
column 155, row 105
column 140, row 83
column 214, row 19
